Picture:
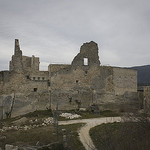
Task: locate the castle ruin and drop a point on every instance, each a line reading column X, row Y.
column 80, row 84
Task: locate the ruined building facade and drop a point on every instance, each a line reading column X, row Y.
column 80, row 84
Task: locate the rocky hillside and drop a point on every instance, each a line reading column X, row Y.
column 143, row 75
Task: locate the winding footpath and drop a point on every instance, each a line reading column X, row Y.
column 89, row 123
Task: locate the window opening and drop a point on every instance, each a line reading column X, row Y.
column 35, row 89
column 28, row 77
column 49, row 83
column 85, row 61
column 86, row 73
column 70, row 99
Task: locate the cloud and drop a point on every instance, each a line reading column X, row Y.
column 55, row 30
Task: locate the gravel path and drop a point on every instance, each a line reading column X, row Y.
column 90, row 123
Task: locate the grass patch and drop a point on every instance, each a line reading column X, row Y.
column 101, row 134
column 49, row 113
column 144, row 115
column 45, row 135
column 39, row 113
column 72, row 136
column 88, row 115
column 122, row 136
column 106, row 113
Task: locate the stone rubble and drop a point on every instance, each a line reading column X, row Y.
column 48, row 121
column 44, row 122
column 69, row 115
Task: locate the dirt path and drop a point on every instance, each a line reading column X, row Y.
column 90, row 123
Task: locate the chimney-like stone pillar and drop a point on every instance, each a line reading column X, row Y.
column 17, row 58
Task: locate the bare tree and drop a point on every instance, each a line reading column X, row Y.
column 8, row 114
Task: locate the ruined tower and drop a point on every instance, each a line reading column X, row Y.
column 88, row 56
column 16, row 63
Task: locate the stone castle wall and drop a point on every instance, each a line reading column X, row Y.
column 80, row 84
column 30, row 64
column 54, row 68
column 39, row 76
column 124, row 80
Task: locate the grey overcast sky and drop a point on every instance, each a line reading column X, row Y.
column 54, row 30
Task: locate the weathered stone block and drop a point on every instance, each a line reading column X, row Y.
column 10, row 147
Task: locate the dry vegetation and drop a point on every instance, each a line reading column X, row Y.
column 133, row 134
column 42, row 135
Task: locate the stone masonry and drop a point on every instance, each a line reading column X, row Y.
column 80, row 84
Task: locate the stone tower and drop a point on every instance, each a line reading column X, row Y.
column 16, row 63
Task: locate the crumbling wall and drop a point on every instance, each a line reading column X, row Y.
column 54, row 68
column 80, row 81
column 16, row 62
column 25, row 80
column 30, row 95
column 23, row 63
column 4, row 77
column 20, row 83
column 88, row 56
column 35, row 63
column 30, row 64
column 78, row 75
column 80, row 84
column 25, row 102
column 26, row 63
column 87, row 82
